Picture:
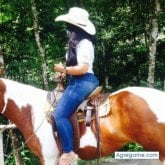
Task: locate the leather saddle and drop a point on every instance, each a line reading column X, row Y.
column 85, row 113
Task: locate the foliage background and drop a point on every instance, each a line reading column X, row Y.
column 122, row 49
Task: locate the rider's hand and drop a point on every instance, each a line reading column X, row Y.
column 60, row 75
column 59, row 67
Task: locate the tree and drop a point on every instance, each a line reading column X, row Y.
column 38, row 42
column 2, row 65
column 129, row 49
column 16, row 148
column 153, row 44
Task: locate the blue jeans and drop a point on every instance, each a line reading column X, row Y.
column 78, row 89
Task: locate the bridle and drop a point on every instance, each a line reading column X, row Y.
column 4, row 107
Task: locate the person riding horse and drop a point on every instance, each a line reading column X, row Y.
column 79, row 68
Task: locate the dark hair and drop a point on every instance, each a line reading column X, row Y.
column 75, row 35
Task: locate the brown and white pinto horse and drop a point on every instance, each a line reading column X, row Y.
column 135, row 114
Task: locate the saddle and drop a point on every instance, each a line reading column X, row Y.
column 85, row 113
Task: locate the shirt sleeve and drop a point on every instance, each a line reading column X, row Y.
column 85, row 52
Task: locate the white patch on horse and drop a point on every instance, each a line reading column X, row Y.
column 104, row 108
column 155, row 99
column 88, row 139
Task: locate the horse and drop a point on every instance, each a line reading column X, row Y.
column 133, row 114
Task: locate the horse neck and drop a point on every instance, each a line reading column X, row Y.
column 22, row 118
column 22, row 104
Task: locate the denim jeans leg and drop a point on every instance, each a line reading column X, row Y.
column 74, row 94
column 66, row 106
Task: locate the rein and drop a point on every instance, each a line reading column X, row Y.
column 40, row 123
column 98, row 152
column 4, row 108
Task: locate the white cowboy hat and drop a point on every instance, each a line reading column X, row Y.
column 78, row 17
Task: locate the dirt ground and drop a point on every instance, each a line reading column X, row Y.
column 126, row 162
column 132, row 162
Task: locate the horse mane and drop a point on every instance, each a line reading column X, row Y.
column 21, row 85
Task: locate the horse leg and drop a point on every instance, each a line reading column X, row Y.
column 48, row 160
column 47, row 151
